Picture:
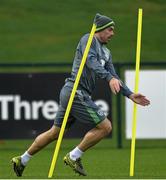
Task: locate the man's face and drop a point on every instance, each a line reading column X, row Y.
column 106, row 35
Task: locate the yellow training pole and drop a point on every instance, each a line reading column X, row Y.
column 71, row 101
column 136, row 90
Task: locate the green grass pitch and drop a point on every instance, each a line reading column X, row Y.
column 102, row 161
column 50, row 30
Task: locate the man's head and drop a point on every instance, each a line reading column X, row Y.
column 104, row 28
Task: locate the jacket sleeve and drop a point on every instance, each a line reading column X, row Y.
column 124, row 89
column 92, row 61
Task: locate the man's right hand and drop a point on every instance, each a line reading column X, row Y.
column 115, row 85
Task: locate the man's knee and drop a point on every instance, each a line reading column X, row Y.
column 108, row 127
column 105, row 126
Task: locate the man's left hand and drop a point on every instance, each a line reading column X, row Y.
column 139, row 99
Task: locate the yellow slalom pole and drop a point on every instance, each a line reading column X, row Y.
column 138, row 52
column 71, row 101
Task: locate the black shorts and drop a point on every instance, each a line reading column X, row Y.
column 83, row 109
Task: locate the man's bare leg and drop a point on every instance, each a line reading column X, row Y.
column 93, row 136
column 40, row 142
column 43, row 140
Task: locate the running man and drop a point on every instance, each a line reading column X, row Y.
column 98, row 65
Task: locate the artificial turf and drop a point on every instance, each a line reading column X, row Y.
column 101, row 162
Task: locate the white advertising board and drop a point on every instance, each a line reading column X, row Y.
column 151, row 120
